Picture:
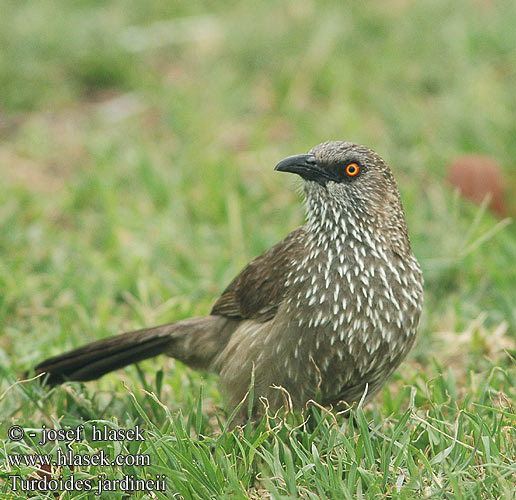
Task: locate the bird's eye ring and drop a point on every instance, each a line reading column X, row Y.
column 352, row 169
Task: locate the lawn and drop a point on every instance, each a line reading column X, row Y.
column 137, row 146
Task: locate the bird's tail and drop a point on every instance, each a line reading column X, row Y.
column 190, row 341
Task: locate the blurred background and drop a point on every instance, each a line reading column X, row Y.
column 138, row 140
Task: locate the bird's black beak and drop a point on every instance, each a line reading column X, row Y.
column 306, row 166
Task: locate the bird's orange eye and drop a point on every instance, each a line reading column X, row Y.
column 352, row 169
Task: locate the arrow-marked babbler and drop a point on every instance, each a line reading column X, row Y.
column 330, row 311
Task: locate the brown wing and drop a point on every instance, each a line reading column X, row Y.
column 257, row 292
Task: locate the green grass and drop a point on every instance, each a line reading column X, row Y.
column 137, row 181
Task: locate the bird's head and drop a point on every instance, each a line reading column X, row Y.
column 350, row 174
column 355, row 182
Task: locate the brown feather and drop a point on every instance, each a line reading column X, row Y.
column 259, row 289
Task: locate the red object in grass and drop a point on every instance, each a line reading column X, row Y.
column 476, row 177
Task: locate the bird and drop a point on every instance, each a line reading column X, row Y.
column 325, row 315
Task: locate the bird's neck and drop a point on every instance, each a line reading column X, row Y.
column 335, row 225
column 345, row 244
column 340, row 225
